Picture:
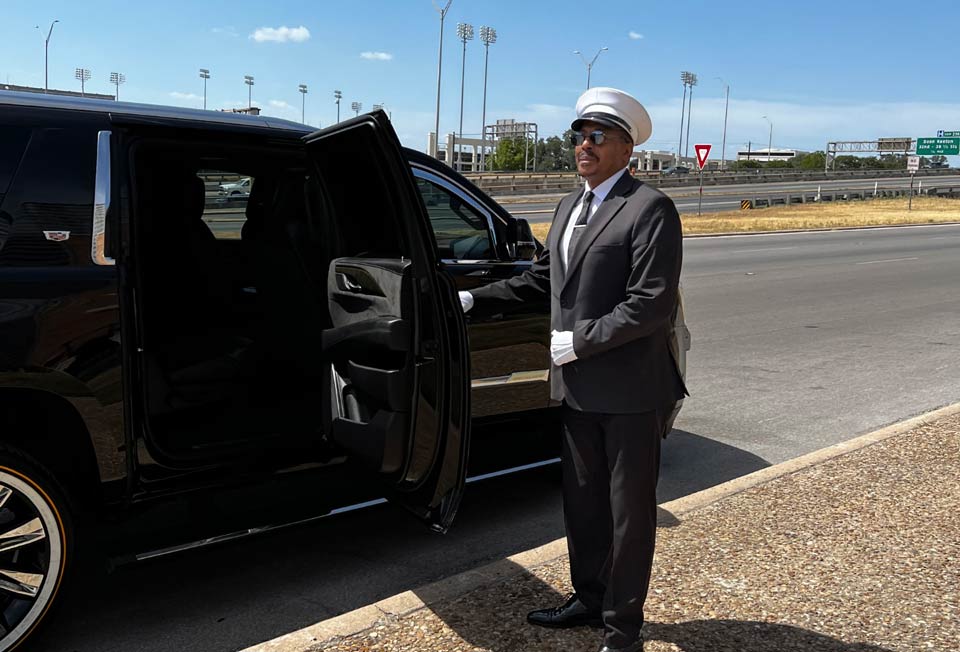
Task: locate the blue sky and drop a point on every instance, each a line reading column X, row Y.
column 840, row 70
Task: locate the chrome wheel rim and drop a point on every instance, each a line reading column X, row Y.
column 31, row 556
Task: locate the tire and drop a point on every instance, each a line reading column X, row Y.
column 36, row 546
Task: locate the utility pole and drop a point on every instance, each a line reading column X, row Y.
column 337, row 95
column 723, row 147
column 436, row 124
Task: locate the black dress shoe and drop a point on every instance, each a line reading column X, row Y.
column 571, row 613
column 636, row 646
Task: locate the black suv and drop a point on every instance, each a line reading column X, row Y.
column 304, row 338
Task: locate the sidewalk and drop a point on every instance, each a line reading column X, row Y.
column 852, row 549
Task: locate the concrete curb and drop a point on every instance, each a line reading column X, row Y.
column 450, row 588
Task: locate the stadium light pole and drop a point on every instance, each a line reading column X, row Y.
column 117, row 78
column 303, row 103
column 248, row 80
column 83, row 74
column 464, row 33
column 691, row 81
column 589, row 64
column 46, row 57
column 204, row 75
column 356, row 106
column 726, row 105
column 770, row 140
column 337, row 95
column 683, row 112
column 488, row 35
column 436, row 124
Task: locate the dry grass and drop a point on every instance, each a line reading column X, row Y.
column 879, row 212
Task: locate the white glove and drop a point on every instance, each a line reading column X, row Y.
column 561, row 347
column 466, row 301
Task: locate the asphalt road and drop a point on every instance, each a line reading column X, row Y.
column 799, row 341
column 539, row 210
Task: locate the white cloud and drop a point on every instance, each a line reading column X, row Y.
column 185, row 96
column 281, row 34
column 376, row 56
column 280, row 104
column 636, row 36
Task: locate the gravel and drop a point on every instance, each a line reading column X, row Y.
column 860, row 553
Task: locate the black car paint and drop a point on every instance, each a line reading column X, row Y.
column 61, row 328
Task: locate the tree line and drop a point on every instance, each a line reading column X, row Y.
column 556, row 154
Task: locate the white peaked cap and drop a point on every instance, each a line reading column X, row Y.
column 614, row 108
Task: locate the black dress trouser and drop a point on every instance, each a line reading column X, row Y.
column 611, row 463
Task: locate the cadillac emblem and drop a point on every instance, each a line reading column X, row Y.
column 56, row 236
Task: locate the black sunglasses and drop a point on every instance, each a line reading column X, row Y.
column 596, row 137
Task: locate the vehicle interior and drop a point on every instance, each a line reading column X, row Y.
column 287, row 322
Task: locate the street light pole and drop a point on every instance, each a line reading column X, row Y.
column 303, row 103
column 436, row 124
column 488, row 35
column 723, row 147
column 589, row 64
column 464, row 33
column 204, row 75
column 46, row 57
column 248, row 80
column 337, row 95
column 770, row 141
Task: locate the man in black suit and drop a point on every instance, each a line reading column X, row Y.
column 611, row 267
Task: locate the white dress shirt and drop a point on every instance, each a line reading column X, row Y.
column 599, row 194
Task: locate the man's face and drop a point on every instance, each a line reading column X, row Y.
column 597, row 163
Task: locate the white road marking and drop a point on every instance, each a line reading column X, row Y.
column 888, row 260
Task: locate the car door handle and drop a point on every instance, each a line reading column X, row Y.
column 347, row 284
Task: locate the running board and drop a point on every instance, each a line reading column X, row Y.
column 124, row 560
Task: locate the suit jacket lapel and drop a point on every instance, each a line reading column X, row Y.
column 556, row 231
column 606, row 212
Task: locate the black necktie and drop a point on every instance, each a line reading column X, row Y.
column 580, row 225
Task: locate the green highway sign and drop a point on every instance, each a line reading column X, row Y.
column 938, row 146
column 948, row 134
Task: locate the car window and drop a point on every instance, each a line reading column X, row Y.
column 225, row 202
column 46, row 213
column 461, row 232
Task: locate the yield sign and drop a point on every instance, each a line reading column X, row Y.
column 703, row 151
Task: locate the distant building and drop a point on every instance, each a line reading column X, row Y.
column 54, row 91
column 764, row 155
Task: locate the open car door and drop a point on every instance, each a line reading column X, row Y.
column 397, row 348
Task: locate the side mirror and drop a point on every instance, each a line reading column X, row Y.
column 523, row 243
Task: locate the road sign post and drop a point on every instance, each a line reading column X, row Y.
column 703, row 151
column 913, row 164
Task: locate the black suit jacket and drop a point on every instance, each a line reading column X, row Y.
column 618, row 295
